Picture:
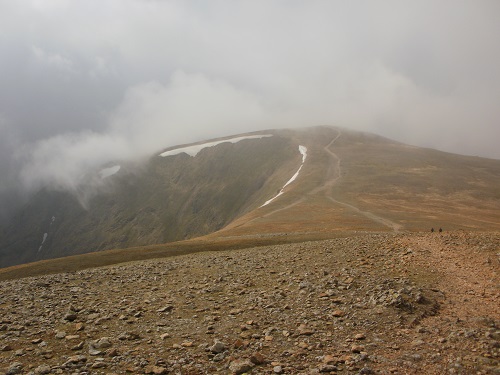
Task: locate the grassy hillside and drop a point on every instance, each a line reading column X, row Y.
column 416, row 187
column 355, row 181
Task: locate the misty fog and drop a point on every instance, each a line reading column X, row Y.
column 86, row 83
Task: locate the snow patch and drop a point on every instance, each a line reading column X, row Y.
column 195, row 149
column 106, row 172
column 303, row 151
column 43, row 241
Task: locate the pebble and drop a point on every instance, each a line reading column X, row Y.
column 43, row 369
column 218, row 347
column 167, row 308
column 258, row 358
column 102, row 343
column 70, row 317
column 15, row 368
column 304, row 330
column 327, row 368
column 240, row 366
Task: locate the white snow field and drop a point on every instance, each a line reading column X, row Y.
column 303, row 151
column 43, row 241
column 106, row 172
column 195, row 149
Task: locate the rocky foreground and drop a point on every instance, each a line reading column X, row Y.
column 372, row 303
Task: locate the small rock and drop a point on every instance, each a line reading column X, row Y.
column 303, row 345
column 14, row 368
column 102, row 343
column 365, row 370
column 360, row 336
column 304, row 330
column 258, row 359
column 357, row 348
column 218, row 347
column 78, row 346
column 113, row 352
column 60, row 335
column 278, row 369
column 129, row 336
column 76, row 359
column 158, row 370
column 240, row 366
column 6, row 348
column 99, row 364
column 70, row 317
column 238, row 344
column 167, row 308
column 219, row 357
column 94, row 352
column 329, row 359
column 43, row 369
column 327, row 368
column 338, row 313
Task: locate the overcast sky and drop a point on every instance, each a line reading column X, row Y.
column 86, row 82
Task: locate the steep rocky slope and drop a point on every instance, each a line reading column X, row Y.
column 166, row 199
column 370, row 303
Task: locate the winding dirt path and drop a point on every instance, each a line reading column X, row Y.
column 468, row 275
column 370, row 215
column 329, row 185
column 332, row 176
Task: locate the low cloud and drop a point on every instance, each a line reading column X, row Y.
column 151, row 117
column 88, row 83
column 52, row 60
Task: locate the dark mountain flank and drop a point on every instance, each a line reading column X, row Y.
column 167, row 199
column 349, row 182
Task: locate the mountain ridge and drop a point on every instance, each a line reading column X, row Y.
column 351, row 181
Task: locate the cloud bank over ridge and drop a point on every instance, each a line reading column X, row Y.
column 87, row 83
